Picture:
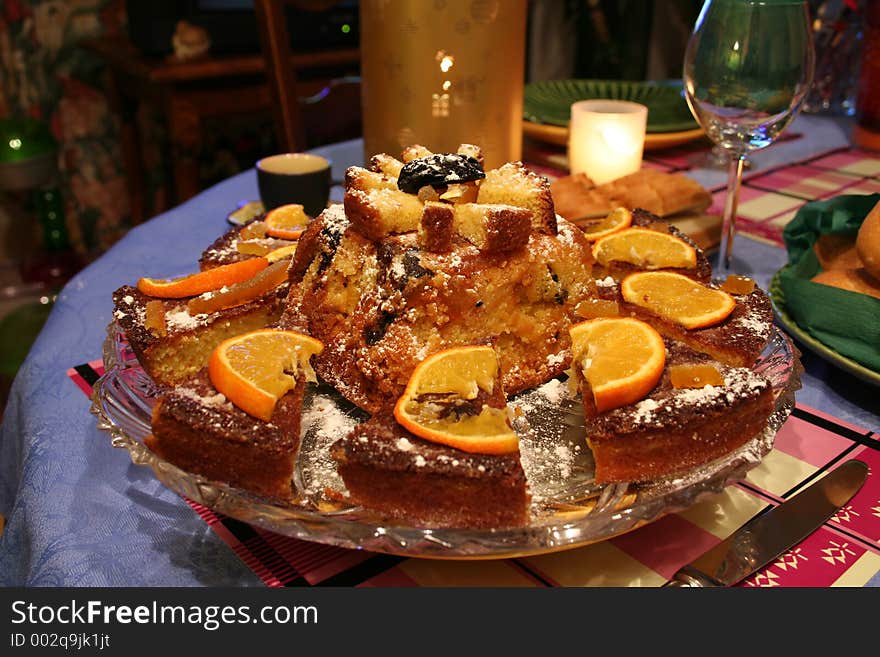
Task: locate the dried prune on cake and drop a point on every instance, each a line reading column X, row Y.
column 439, row 170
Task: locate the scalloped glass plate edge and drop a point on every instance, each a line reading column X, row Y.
column 120, row 412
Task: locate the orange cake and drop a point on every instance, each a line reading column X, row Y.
column 199, row 430
column 262, row 235
column 672, row 430
column 736, row 340
column 448, row 455
column 668, row 253
column 430, row 254
column 178, row 346
column 173, row 324
column 387, row 468
column 238, row 420
column 231, row 247
column 391, row 277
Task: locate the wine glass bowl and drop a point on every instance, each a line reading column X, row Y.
column 748, row 68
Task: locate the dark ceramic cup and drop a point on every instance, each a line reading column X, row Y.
column 302, row 178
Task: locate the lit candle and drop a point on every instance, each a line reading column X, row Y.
column 606, row 138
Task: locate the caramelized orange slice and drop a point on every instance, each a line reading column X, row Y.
column 240, row 293
column 281, row 253
column 621, row 359
column 591, row 308
column 260, row 247
column 695, row 375
column 255, row 230
column 734, row 284
column 442, row 383
column 618, row 219
column 154, row 318
column 286, row 222
column 644, row 248
column 677, row 298
column 254, row 370
column 203, row 281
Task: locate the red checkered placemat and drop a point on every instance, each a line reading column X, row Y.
column 844, row 552
column 768, row 199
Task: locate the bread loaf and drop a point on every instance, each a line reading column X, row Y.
column 664, row 194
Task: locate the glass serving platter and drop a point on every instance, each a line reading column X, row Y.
column 568, row 508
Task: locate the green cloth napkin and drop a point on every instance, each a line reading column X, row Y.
column 847, row 322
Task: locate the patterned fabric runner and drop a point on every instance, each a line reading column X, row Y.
column 844, row 552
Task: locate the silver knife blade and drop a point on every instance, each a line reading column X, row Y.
column 768, row 535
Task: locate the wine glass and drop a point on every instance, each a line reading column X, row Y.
column 748, row 67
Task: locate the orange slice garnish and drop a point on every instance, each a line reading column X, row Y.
column 677, row 298
column 286, row 222
column 618, row 219
column 644, row 248
column 240, row 293
column 621, row 358
column 203, row 281
column 281, row 253
column 440, row 386
column 254, row 370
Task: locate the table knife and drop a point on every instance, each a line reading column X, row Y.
column 765, row 537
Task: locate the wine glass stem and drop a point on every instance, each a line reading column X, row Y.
column 728, row 222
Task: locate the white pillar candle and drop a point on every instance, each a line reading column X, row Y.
column 606, row 138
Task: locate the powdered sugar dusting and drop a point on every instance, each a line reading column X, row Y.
column 754, row 325
column 553, row 451
column 181, row 319
column 218, row 400
column 323, row 423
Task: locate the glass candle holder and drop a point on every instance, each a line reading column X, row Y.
column 441, row 74
column 606, row 138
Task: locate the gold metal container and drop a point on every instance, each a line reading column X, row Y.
column 441, row 73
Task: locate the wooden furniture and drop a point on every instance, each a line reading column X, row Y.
column 291, row 115
column 188, row 92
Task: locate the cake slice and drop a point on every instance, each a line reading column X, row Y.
column 177, row 344
column 172, row 328
column 674, row 429
column 232, row 246
column 736, row 340
column 406, row 478
column 447, row 456
column 197, row 429
column 628, row 262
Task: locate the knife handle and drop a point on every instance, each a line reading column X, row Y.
column 688, row 577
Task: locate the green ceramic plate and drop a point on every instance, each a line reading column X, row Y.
column 820, row 349
column 549, row 102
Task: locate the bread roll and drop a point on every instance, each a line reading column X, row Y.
column 837, row 252
column 868, row 242
column 854, row 280
column 576, row 196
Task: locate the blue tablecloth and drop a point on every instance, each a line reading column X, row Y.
column 80, row 514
